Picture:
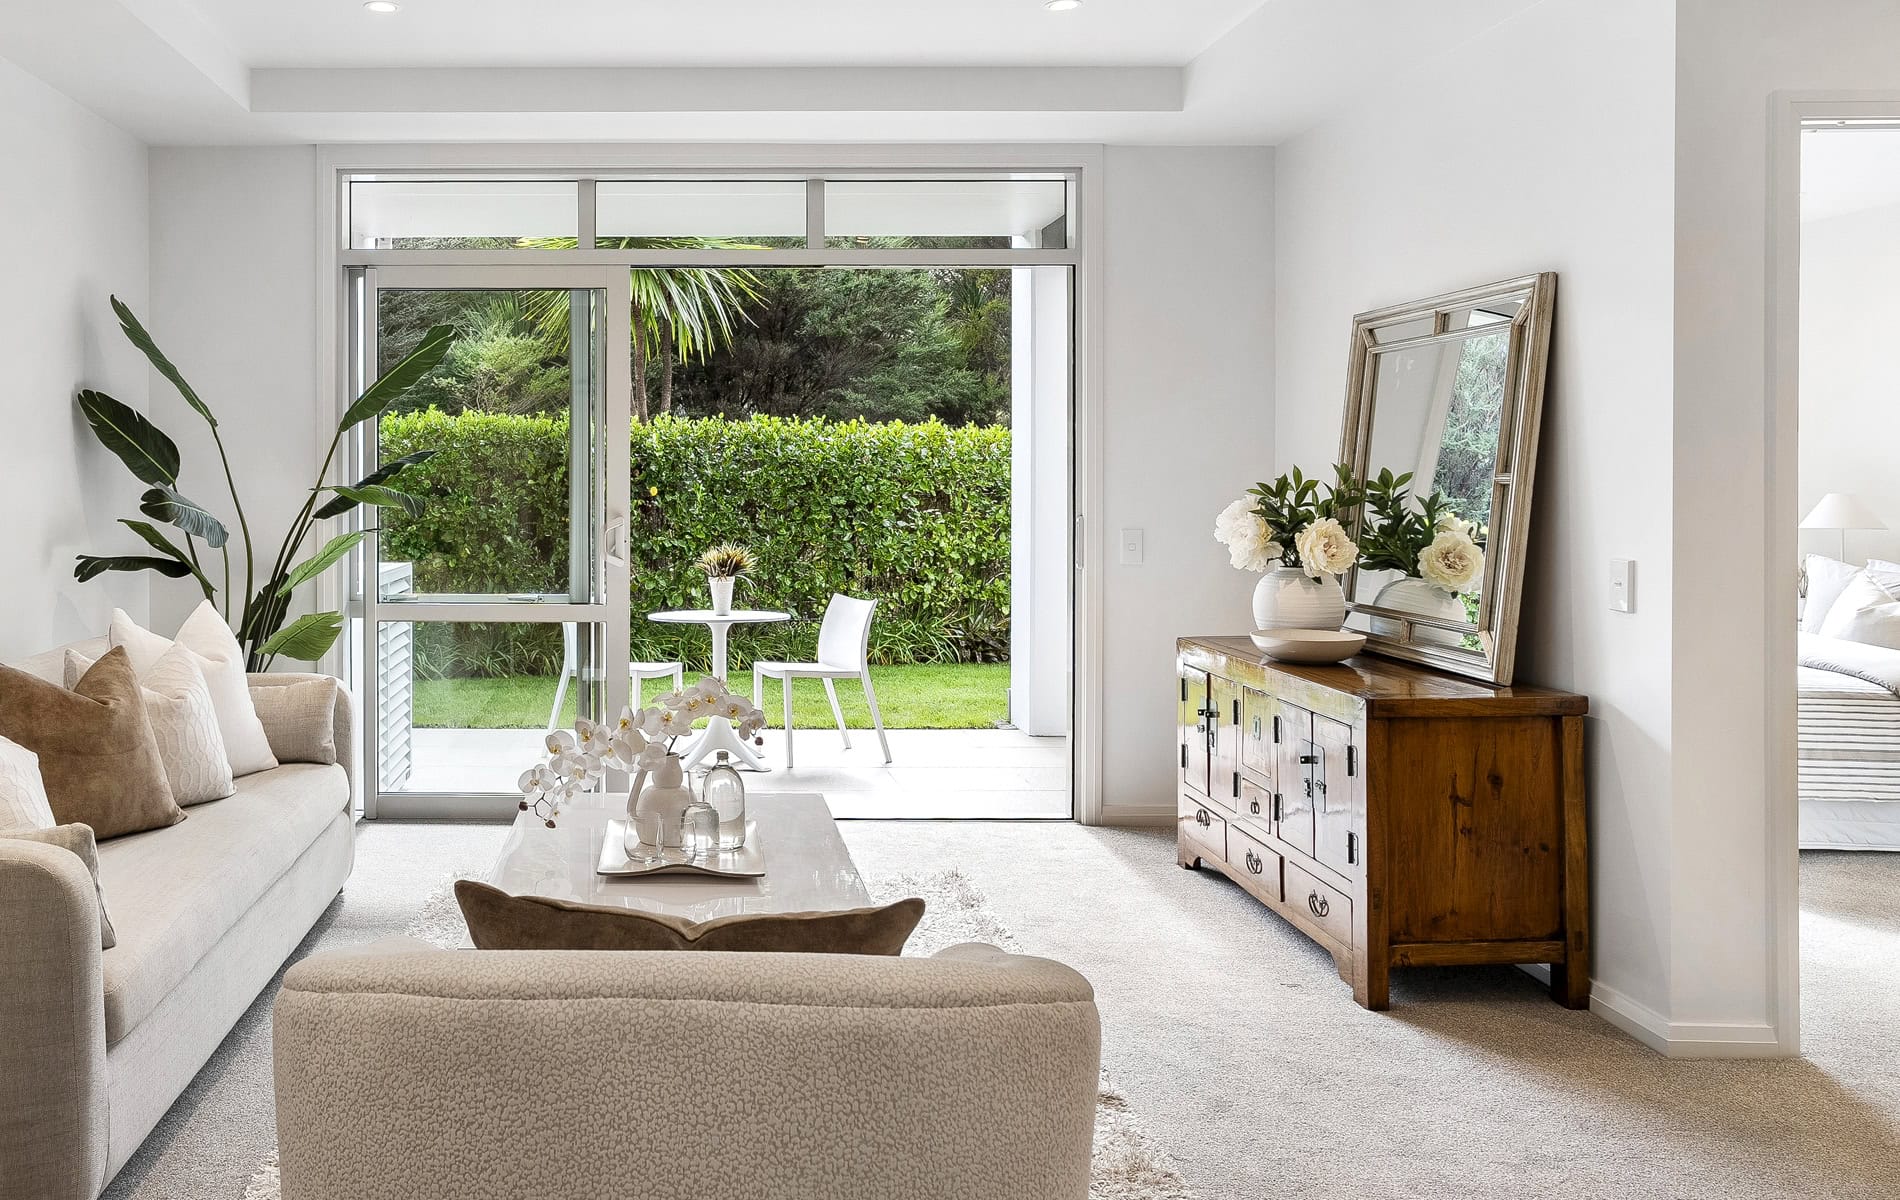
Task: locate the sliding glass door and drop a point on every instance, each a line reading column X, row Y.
column 484, row 614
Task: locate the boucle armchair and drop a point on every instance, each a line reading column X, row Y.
column 685, row 1075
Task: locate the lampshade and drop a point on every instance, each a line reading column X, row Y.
column 1842, row 510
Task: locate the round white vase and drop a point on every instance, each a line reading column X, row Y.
column 654, row 814
column 1287, row 598
column 1414, row 595
column 721, row 588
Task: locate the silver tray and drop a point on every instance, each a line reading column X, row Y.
column 747, row 862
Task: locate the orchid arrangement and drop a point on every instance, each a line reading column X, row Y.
column 1421, row 537
column 639, row 741
column 1293, row 521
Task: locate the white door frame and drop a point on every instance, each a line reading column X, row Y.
column 608, row 508
column 1082, row 163
column 1781, row 416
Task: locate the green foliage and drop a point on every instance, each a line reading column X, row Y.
column 1292, row 502
column 1395, row 532
column 1468, row 453
column 916, row 516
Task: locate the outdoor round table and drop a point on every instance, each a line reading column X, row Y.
column 719, row 734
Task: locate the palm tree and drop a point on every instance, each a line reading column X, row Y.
column 680, row 314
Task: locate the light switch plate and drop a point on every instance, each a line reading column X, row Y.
column 1622, row 585
column 1134, row 546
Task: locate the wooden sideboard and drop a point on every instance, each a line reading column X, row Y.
column 1395, row 815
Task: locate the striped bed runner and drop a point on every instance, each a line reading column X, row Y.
column 1849, row 738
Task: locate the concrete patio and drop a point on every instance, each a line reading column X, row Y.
column 934, row 773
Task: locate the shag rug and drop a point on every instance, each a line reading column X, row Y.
column 1128, row 1164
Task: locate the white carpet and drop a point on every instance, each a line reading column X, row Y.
column 1242, row 1053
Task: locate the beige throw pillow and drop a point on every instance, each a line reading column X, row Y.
column 23, row 802
column 221, row 659
column 499, row 921
column 300, row 719
column 184, row 724
column 1865, row 612
column 98, row 758
column 79, row 840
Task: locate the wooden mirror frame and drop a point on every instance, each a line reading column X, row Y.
column 1495, row 657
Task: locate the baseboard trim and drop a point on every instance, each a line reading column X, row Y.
column 1684, row 1039
column 1138, row 815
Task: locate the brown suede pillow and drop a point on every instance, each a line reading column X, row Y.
column 98, row 757
column 499, row 921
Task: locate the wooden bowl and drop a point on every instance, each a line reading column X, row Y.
column 1309, row 645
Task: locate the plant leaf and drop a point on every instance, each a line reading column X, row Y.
column 321, row 561
column 383, row 497
column 163, row 545
column 339, row 505
column 401, row 377
column 140, row 445
column 143, row 340
column 167, row 504
column 91, row 566
column 307, row 638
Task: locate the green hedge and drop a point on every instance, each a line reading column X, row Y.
column 916, row 516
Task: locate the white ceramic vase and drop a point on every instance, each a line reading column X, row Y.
column 1414, row 595
column 721, row 587
column 1287, row 598
column 654, row 810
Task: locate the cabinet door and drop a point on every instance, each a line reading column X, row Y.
column 1338, row 796
column 1223, row 777
column 1294, row 782
column 1256, row 734
column 1193, row 729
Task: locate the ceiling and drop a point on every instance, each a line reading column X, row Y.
column 215, row 72
column 1848, row 170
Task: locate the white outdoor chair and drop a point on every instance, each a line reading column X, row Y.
column 640, row 673
column 844, row 652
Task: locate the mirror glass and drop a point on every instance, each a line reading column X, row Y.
column 1446, row 391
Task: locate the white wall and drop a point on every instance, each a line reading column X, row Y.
column 1539, row 164
column 1188, row 331
column 234, row 305
column 1734, row 538
column 1850, row 390
column 74, row 199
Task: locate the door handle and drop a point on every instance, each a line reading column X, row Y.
column 613, row 541
column 1317, row 904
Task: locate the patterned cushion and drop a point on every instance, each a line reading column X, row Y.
column 221, row 659
column 178, row 703
column 22, row 795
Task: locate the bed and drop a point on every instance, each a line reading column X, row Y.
column 1849, row 745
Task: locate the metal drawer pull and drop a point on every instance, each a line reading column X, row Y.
column 1253, row 806
column 1254, row 863
column 1202, row 818
column 1318, row 904
column 1308, row 759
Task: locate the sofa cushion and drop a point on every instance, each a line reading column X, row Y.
column 175, row 892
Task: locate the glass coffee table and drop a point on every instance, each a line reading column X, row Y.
column 807, row 867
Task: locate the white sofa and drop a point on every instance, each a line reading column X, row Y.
column 408, row 1071
column 95, row 1045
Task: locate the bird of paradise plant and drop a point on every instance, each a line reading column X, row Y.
column 153, row 458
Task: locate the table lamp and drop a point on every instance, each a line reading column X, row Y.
column 1842, row 511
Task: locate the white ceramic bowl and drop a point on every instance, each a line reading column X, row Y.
column 1309, row 645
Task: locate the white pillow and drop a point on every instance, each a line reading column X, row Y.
column 184, row 723
column 23, row 802
column 1826, row 577
column 1884, row 573
column 1865, row 613
column 221, row 660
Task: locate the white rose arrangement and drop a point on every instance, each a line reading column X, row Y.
column 1292, row 520
column 1423, row 538
column 639, row 740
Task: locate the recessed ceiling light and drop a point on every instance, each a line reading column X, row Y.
column 383, row 6
column 1062, row 5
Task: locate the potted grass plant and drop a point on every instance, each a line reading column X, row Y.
column 725, row 564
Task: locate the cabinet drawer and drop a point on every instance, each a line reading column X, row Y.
column 1203, row 828
column 1324, row 904
column 1256, row 867
column 1254, row 801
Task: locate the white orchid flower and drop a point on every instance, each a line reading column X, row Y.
column 558, row 741
column 710, row 687
column 629, row 719
column 671, row 700
column 650, row 758
column 591, row 738
column 678, row 722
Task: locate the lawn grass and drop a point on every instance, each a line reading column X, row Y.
column 954, row 696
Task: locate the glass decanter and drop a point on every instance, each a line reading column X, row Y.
column 725, row 791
